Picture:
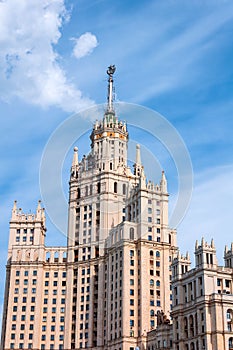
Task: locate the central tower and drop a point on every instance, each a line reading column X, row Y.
column 119, row 243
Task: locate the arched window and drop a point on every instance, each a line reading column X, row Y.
column 230, row 343
column 157, row 283
column 124, row 189
column 131, row 233
column 98, row 187
column 152, row 283
column 157, row 254
column 151, row 253
column 78, row 193
column 47, row 256
column 115, row 187
column 152, row 313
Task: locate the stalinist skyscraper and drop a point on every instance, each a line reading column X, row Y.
column 104, row 289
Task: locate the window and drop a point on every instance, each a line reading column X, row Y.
column 149, row 238
column 131, row 233
column 227, row 283
column 115, row 187
column 131, row 323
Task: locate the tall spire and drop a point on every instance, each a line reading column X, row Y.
column 163, row 183
column 111, row 70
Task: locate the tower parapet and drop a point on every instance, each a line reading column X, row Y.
column 205, row 254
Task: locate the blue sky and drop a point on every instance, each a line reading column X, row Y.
column 175, row 57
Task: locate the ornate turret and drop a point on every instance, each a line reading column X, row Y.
column 109, row 136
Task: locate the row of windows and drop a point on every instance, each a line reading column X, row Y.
column 17, row 239
column 44, row 319
column 25, row 230
column 26, row 273
column 29, row 346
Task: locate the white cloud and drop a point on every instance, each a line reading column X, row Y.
column 84, row 45
column 29, row 64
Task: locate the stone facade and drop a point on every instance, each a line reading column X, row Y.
column 103, row 290
column 203, row 300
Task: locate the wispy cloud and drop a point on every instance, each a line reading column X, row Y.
column 84, row 45
column 29, row 64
